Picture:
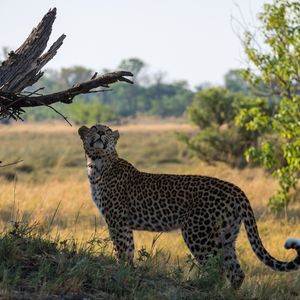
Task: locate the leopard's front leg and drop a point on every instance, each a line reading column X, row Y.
column 116, row 216
column 122, row 238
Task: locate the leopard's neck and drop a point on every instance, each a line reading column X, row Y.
column 97, row 166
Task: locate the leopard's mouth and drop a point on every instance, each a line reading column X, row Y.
column 99, row 143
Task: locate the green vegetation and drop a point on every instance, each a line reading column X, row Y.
column 275, row 66
column 83, row 112
column 35, row 266
column 215, row 112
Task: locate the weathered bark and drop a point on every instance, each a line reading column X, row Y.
column 23, row 68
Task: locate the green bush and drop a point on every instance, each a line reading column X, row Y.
column 219, row 138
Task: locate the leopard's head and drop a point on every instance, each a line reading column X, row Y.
column 99, row 140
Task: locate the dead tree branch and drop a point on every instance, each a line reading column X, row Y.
column 23, row 68
column 12, row 102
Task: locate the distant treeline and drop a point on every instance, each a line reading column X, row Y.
column 150, row 94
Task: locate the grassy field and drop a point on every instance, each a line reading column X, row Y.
column 50, row 187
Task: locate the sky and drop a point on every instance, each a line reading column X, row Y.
column 193, row 40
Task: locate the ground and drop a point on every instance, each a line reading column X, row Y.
column 51, row 188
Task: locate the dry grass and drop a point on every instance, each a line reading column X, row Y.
column 54, row 179
column 55, row 127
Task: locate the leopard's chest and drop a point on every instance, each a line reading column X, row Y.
column 93, row 171
column 98, row 198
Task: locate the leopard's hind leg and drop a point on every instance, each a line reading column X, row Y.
column 199, row 237
column 206, row 237
column 228, row 236
column 233, row 270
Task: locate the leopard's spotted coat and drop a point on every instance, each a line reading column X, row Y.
column 208, row 211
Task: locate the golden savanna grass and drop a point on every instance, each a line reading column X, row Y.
column 51, row 181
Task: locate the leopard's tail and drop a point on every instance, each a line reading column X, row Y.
column 259, row 249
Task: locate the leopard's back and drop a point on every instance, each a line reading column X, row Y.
column 162, row 202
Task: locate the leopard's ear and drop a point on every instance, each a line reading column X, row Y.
column 116, row 135
column 82, row 131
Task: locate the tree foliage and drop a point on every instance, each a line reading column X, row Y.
column 214, row 111
column 274, row 63
column 235, row 82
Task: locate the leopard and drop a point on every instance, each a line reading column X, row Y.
column 208, row 211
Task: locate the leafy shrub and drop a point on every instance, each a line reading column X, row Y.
column 219, row 138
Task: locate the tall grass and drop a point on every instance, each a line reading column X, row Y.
column 33, row 265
